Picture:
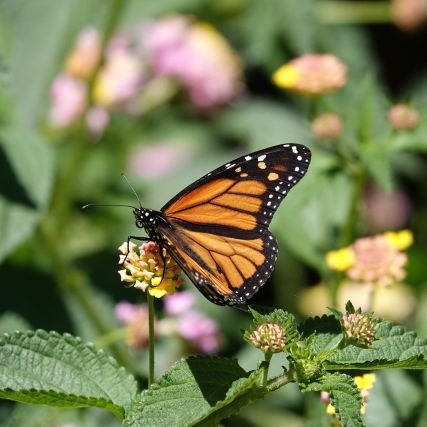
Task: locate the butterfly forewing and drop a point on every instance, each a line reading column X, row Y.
column 218, row 226
column 244, row 193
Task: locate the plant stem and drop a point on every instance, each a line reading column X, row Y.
column 279, row 381
column 350, row 227
column 371, row 301
column 350, row 12
column 151, row 338
column 267, row 359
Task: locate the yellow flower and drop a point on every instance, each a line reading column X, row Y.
column 145, row 269
column 341, row 259
column 118, row 80
column 365, row 382
column 286, row 76
column 399, row 239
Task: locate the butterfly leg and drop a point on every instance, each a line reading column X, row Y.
column 141, row 239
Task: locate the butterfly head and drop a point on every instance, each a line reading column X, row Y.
column 148, row 219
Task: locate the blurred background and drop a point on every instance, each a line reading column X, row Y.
column 165, row 91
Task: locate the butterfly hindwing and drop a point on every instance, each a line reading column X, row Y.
column 227, row 270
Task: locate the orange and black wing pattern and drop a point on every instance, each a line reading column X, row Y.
column 217, row 228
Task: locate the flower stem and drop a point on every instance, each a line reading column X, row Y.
column 371, row 301
column 151, row 338
column 267, row 359
column 350, row 12
column 350, row 227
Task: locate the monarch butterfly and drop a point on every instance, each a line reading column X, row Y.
column 216, row 229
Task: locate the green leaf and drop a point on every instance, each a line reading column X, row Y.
column 26, row 167
column 323, row 332
column 60, row 370
column 31, row 416
column 344, row 395
column 262, row 123
column 306, row 222
column 377, row 157
column 38, row 21
column 394, row 347
column 368, row 112
column 195, row 391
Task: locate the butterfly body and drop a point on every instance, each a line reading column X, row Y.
column 216, row 229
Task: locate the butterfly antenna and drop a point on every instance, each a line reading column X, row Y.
column 133, row 190
column 90, row 205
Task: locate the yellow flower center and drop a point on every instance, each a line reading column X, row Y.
column 286, row 76
column 341, row 259
column 399, row 239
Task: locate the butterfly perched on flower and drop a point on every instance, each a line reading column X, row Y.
column 216, row 229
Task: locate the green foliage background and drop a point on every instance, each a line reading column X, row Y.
column 59, row 265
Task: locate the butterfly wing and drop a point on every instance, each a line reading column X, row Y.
column 218, row 226
column 227, row 270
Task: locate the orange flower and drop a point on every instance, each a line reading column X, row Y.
column 312, row 74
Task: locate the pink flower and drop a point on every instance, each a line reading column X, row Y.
column 97, row 119
column 312, row 74
column 377, row 262
column 386, row 210
column 409, row 14
column 199, row 330
column 119, row 80
column 157, row 160
column 125, row 311
column 136, row 318
column 84, row 58
column 403, row 117
column 197, row 56
column 69, row 100
column 179, row 303
column 327, row 126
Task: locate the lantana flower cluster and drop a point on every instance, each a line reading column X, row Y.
column 139, row 69
column 376, row 260
column 358, row 327
column 312, row 74
column 272, row 332
column 146, row 269
column 199, row 332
